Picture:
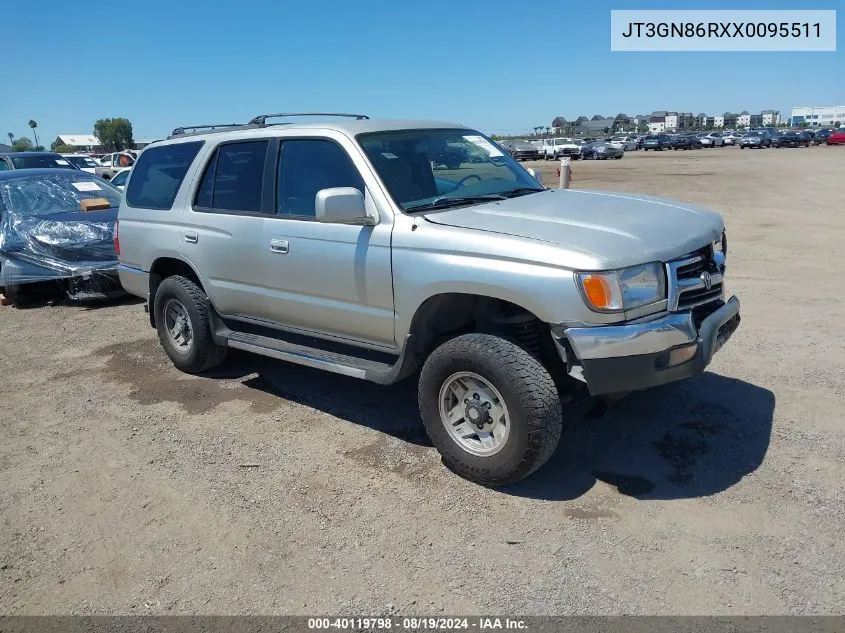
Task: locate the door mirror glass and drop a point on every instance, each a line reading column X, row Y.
column 342, row 205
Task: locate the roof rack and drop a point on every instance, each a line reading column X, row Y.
column 186, row 130
column 262, row 118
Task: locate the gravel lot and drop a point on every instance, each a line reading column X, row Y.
column 127, row 487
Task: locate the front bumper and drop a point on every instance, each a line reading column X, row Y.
column 623, row 358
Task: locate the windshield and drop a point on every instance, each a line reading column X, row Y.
column 55, row 193
column 651, row 138
column 431, row 168
column 35, row 161
column 563, row 141
column 748, row 134
column 81, row 161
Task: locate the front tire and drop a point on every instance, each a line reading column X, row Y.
column 490, row 408
column 183, row 321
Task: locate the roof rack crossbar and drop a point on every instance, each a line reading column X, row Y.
column 262, row 119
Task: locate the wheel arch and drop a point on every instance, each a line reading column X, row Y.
column 165, row 267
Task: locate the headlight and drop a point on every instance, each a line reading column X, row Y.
column 721, row 245
column 625, row 289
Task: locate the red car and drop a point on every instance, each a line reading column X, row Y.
column 837, row 138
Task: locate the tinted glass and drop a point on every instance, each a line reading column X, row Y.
column 81, row 161
column 307, row 166
column 120, row 179
column 234, row 177
column 158, row 175
column 35, row 161
column 3, row 165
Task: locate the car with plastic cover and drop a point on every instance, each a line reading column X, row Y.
column 57, row 234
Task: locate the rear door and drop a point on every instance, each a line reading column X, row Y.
column 222, row 229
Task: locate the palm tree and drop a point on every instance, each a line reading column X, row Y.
column 11, row 136
column 34, row 125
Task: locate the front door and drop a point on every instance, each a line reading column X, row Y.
column 330, row 279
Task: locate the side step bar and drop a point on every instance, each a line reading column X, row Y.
column 346, row 365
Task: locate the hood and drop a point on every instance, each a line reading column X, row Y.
column 616, row 229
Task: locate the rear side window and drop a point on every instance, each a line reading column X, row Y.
column 158, row 174
column 233, row 178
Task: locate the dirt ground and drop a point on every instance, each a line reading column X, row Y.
column 127, row 487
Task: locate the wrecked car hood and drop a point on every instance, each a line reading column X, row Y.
column 60, row 244
column 617, row 229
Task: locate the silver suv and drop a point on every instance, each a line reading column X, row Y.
column 337, row 245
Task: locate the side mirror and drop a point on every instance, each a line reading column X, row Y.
column 536, row 175
column 342, row 205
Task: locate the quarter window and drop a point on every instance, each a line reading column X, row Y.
column 159, row 173
column 307, row 166
column 233, row 178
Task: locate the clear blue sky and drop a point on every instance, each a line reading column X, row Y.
column 497, row 65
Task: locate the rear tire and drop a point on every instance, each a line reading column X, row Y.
column 183, row 321
column 506, row 390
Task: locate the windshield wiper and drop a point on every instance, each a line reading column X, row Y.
column 446, row 202
column 519, row 191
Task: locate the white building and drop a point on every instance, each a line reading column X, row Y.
column 656, row 127
column 743, row 119
column 818, row 116
column 671, row 123
column 80, row 141
column 771, row 118
column 719, row 121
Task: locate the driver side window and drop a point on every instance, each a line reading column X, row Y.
column 305, row 167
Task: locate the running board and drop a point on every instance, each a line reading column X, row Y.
column 346, row 365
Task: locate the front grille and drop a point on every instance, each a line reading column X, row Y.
column 688, row 280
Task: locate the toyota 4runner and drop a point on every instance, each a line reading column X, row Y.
column 335, row 245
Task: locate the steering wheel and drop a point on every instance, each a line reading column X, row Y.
column 463, row 180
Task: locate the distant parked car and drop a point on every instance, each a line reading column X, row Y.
column 111, row 163
column 628, row 143
column 33, row 160
column 522, row 150
column 686, row 141
column 120, row 178
column 821, row 136
column 711, row 139
column 793, row 139
column 730, row 138
column 756, row 139
column 82, row 162
column 836, row 138
column 656, row 142
column 554, row 148
column 452, row 156
column 601, row 150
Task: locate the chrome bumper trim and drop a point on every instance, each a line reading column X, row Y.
column 649, row 337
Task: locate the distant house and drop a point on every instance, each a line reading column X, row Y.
column 580, row 120
column 597, row 117
column 595, row 126
column 79, row 142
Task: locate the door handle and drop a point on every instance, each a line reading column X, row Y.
column 279, row 246
column 191, row 238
